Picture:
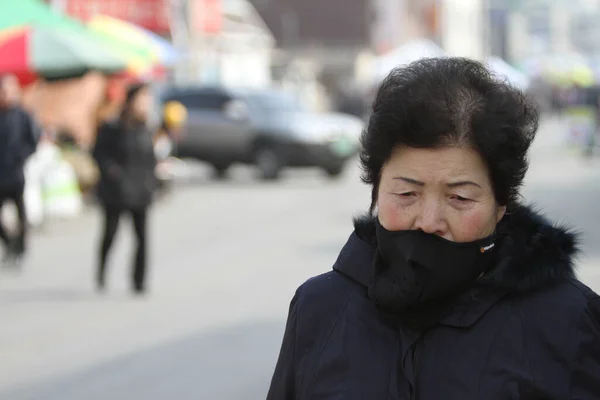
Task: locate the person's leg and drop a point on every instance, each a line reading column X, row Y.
column 139, row 270
column 6, row 240
column 21, row 238
column 111, row 223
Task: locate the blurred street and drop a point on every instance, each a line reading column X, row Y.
column 225, row 260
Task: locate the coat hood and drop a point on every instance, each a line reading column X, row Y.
column 532, row 252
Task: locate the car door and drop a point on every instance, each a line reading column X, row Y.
column 212, row 131
column 236, row 138
column 191, row 140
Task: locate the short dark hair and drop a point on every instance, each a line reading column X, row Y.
column 451, row 101
column 130, row 95
column 132, row 91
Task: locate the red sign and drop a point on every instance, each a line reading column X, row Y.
column 207, row 16
column 149, row 14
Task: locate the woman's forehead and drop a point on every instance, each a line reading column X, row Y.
column 436, row 163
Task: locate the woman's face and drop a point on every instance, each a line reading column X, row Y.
column 9, row 91
column 445, row 191
column 141, row 104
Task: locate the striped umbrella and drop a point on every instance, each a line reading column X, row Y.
column 37, row 14
column 52, row 53
column 160, row 50
column 24, row 12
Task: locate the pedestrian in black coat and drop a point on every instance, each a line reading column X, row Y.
column 450, row 288
column 19, row 136
column 125, row 155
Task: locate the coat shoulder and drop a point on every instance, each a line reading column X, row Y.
column 564, row 304
column 22, row 114
column 584, row 301
column 108, row 127
column 331, row 288
column 570, row 294
column 582, row 292
column 319, row 303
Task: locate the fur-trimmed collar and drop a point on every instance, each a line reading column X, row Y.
column 532, row 251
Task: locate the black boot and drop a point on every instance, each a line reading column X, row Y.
column 139, row 289
column 101, row 280
column 11, row 257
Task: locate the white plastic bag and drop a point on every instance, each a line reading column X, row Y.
column 62, row 197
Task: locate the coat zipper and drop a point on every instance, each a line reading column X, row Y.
column 415, row 359
column 415, row 362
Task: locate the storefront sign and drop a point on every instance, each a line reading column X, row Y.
column 207, row 16
column 149, row 14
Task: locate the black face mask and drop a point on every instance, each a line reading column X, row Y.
column 414, row 269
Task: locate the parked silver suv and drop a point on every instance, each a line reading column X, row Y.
column 266, row 128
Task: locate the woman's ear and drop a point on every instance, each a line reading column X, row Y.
column 501, row 210
column 374, row 199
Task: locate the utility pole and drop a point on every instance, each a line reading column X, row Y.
column 463, row 28
column 177, row 11
column 497, row 15
column 178, row 24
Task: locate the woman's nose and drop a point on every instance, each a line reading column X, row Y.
column 431, row 220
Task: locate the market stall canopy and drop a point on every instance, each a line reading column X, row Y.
column 37, row 14
column 52, row 53
column 25, row 12
column 563, row 69
column 583, row 75
column 159, row 49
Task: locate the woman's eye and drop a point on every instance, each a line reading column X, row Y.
column 407, row 194
column 460, row 198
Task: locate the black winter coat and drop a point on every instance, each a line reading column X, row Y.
column 527, row 330
column 126, row 159
column 19, row 136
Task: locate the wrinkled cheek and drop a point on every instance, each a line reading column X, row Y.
column 472, row 227
column 394, row 217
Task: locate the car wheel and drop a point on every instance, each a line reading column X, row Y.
column 268, row 163
column 220, row 171
column 334, row 171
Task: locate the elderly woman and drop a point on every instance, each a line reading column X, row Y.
column 450, row 288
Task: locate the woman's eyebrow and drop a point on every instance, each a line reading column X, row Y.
column 462, row 183
column 409, row 180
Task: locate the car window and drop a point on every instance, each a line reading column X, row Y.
column 213, row 101
column 184, row 99
column 202, row 101
column 276, row 102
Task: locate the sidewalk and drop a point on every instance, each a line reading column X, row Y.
column 566, row 187
column 552, row 160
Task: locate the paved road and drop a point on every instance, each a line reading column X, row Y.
column 226, row 258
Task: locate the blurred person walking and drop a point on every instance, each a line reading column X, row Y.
column 450, row 287
column 126, row 159
column 19, row 135
column 111, row 102
column 594, row 103
column 174, row 116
